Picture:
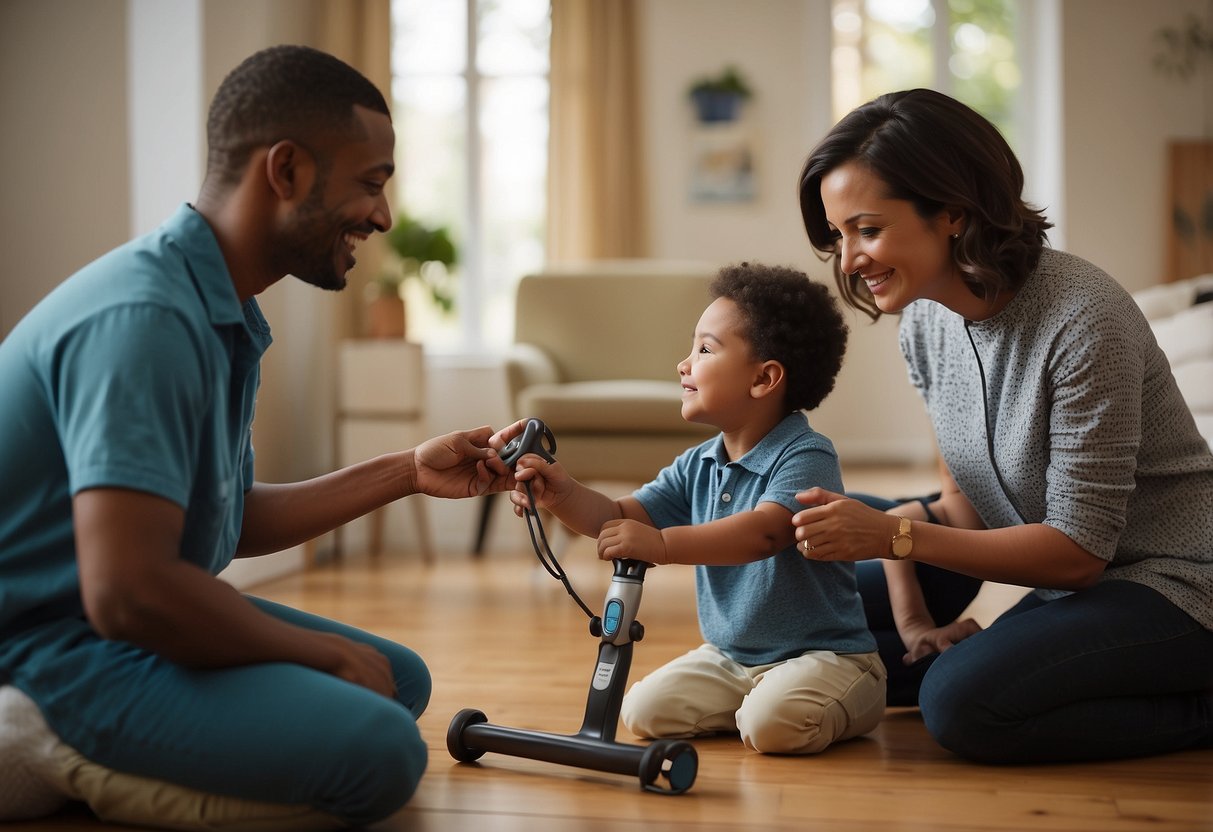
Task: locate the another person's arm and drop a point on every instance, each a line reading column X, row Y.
column 625, row 530
column 136, row 588
column 744, row 537
column 278, row 516
column 918, row 630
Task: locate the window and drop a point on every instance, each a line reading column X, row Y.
column 965, row 48
column 470, row 94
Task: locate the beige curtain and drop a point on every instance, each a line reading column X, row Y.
column 359, row 32
column 595, row 162
column 295, row 432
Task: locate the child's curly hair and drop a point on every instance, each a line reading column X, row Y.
column 791, row 319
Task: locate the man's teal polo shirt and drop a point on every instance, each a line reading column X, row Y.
column 140, row 371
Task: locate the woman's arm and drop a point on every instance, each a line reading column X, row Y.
column 839, row 528
column 918, row 629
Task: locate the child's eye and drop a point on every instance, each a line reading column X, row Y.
column 704, row 349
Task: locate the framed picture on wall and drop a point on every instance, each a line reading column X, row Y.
column 1190, row 229
column 722, row 162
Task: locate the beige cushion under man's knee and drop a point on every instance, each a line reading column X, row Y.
column 56, row 773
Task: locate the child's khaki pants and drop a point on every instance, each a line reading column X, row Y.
column 797, row 706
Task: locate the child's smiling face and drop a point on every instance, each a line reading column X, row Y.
column 718, row 375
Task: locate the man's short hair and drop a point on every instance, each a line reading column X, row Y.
column 284, row 92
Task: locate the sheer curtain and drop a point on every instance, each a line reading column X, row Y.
column 596, row 206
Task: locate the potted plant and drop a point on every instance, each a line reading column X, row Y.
column 719, row 97
column 424, row 253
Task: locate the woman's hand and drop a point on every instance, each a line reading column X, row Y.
column 927, row 639
column 836, row 527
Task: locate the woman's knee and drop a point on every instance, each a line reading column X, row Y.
column 958, row 712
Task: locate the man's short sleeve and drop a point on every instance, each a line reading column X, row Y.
column 129, row 391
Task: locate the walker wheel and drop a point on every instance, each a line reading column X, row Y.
column 454, row 735
column 675, row 761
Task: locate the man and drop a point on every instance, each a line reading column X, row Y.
column 132, row 678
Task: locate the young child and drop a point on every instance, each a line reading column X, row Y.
column 789, row 662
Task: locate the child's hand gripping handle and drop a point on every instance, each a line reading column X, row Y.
column 533, row 439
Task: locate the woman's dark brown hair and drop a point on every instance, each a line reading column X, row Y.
column 938, row 154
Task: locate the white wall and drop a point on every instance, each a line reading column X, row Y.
column 782, row 49
column 1119, row 114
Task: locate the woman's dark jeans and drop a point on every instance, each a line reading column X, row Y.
column 1109, row 672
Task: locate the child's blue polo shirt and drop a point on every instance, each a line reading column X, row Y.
column 779, row 607
column 140, row 371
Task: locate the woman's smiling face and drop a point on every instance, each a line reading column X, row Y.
column 900, row 255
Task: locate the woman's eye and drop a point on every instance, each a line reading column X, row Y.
column 869, row 232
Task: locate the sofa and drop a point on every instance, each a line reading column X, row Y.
column 595, row 356
column 1181, row 315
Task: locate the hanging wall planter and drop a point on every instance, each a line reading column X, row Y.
column 719, row 98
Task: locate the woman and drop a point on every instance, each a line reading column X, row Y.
column 1070, row 461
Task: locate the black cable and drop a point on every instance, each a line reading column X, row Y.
column 985, row 415
column 544, row 552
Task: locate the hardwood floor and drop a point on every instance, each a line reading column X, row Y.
column 500, row 635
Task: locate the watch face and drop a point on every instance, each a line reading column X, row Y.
column 902, row 545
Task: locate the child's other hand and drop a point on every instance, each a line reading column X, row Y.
column 621, row 539
column 549, row 482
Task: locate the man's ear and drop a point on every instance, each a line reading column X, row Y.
column 770, row 378
column 289, row 170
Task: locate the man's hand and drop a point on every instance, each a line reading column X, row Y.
column 620, row 539
column 460, row 464
column 361, row 664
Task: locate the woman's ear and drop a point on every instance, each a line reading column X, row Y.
column 289, row 170
column 770, row 378
column 957, row 219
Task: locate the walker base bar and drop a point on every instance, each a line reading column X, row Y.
column 471, row 735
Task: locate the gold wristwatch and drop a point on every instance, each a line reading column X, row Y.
column 903, row 544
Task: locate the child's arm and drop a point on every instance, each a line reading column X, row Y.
column 582, row 509
column 741, row 538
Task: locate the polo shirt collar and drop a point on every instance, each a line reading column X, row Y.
column 762, row 456
column 193, row 235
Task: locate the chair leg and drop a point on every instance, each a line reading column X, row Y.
column 421, row 520
column 482, row 529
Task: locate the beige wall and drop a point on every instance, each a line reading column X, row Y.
column 65, row 197
column 1119, row 114
column 64, row 175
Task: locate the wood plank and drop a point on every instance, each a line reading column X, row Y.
column 500, row 635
